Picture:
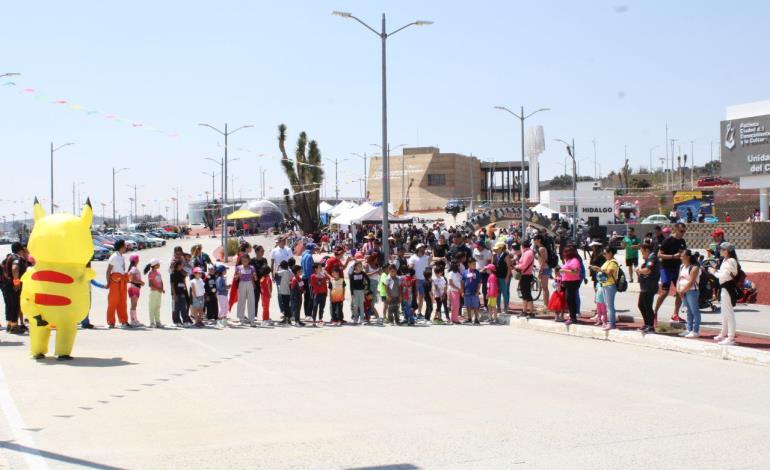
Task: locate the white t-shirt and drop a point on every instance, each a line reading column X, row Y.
column 197, row 287
column 118, row 263
column 439, row 286
column 457, row 280
column 279, row 254
column 482, row 258
column 419, row 263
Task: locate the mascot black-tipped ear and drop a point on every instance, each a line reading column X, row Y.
column 88, row 202
column 36, row 201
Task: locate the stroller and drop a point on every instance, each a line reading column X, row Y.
column 748, row 293
column 707, row 286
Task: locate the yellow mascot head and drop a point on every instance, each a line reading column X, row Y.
column 62, row 238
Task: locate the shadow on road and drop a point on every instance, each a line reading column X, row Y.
column 396, row 466
column 54, row 456
column 11, row 343
column 88, row 362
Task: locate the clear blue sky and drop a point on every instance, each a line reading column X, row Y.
column 616, row 72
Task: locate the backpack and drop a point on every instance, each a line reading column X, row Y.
column 740, row 280
column 621, row 282
column 5, row 269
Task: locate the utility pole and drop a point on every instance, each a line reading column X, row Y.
column 596, row 172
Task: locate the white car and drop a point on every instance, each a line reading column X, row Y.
column 656, row 219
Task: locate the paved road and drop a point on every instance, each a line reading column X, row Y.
column 361, row 397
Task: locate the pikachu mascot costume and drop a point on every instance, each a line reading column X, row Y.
column 55, row 292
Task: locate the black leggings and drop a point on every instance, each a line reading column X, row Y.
column 337, row 311
column 525, row 284
column 645, row 307
column 12, row 299
column 572, row 289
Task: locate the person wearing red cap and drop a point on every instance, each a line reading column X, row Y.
column 718, row 236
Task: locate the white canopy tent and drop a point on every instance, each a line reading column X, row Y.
column 325, row 207
column 352, row 215
column 544, row 210
column 341, row 208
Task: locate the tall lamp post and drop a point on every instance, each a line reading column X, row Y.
column 337, row 161
column 384, row 35
column 522, row 117
column 403, row 170
column 115, row 172
column 225, row 134
column 52, row 152
column 363, row 157
column 74, row 187
column 213, row 175
column 571, row 153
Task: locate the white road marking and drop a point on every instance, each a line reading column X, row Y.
column 34, row 459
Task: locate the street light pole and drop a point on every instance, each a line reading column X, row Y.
column 571, row 153
column 363, row 157
column 384, row 35
column 226, row 134
column 115, row 172
column 522, row 117
column 337, row 161
column 52, row 152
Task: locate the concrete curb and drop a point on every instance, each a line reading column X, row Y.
column 701, row 348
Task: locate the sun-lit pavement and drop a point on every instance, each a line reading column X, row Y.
column 395, row 397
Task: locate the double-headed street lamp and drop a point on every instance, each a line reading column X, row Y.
column 52, row 152
column 571, row 153
column 225, row 134
column 522, row 117
column 336, row 162
column 115, row 172
column 384, row 35
column 363, row 157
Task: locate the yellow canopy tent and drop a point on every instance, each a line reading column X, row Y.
column 243, row 214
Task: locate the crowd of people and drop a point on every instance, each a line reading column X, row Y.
column 436, row 274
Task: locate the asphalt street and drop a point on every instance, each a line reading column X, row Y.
column 440, row 397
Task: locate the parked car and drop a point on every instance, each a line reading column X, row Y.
column 156, row 241
column 131, row 245
column 714, row 181
column 656, row 219
column 454, row 205
column 100, row 253
column 148, row 243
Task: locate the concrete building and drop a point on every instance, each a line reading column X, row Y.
column 745, row 149
column 423, row 178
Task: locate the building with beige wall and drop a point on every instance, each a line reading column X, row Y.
column 425, row 179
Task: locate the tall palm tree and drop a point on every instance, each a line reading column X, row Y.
column 305, row 178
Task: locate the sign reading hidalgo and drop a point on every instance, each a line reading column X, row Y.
column 746, row 146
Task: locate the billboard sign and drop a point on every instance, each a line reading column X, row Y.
column 745, row 146
column 695, row 201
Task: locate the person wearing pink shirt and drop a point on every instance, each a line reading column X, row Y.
column 570, row 277
column 525, row 265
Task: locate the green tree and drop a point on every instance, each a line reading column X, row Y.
column 305, row 178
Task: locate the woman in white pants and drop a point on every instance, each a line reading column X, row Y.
column 726, row 274
column 246, row 276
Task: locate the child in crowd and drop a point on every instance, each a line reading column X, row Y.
column 198, row 293
column 86, row 323
column 297, row 287
column 212, row 304
column 428, row 287
column 601, row 307
column 179, row 295
column 454, row 287
column 393, row 295
column 369, row 309
column 558, row 302
column 265, row 293
column 283, row 279
column 492, row 291
column 155, row 280
column 407, row 294
column 382, row 289
column 135, row 283
column 337, row 296
column 439, row 293
column 319, row 288
column 359, row 284
column 223, row 299
column 471, row 284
